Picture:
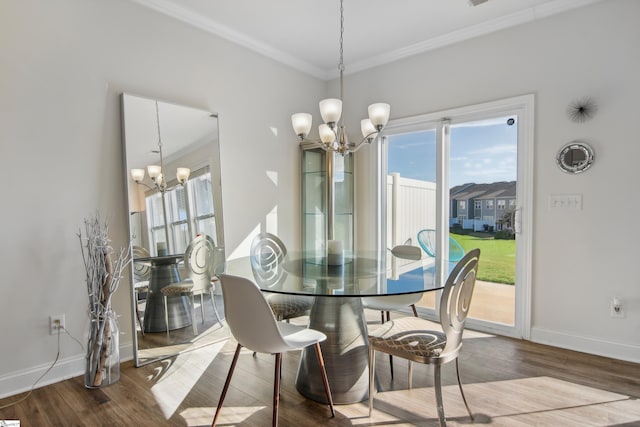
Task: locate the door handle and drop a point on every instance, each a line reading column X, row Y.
column 517, row 221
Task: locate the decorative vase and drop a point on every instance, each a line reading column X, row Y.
column 103, row 351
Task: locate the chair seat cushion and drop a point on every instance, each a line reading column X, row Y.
column 141, row 286
column 289, row 306
column 177, row 289
column 409, row 338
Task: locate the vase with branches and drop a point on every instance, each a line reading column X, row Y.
column 104, row 270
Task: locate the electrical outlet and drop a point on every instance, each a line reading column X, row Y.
column 616, row 308
column 55, row 323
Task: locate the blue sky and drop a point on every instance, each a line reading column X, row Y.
column 481, row 152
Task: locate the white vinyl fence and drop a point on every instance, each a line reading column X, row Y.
column 411, row 207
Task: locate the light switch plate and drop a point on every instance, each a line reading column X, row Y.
column 565, row 201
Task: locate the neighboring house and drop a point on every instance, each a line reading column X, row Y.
column 475, row 206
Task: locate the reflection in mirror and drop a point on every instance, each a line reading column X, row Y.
column 575, row 157
column 172, row 164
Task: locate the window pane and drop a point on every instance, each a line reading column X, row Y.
column 411, row 167
column 157, row 235
column 207, row 226
column 203, row 194
column 155, row 214
column 177, row 201
column 180, row 236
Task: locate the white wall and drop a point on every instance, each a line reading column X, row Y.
column 63, row 65
column 580, row 259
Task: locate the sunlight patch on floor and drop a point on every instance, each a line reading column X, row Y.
column 176, row 383
column 230, row 415
column 526, row 401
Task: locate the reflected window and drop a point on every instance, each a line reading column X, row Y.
column 189, row 211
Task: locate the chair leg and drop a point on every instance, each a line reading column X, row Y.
column 213, row 303
column 135, row 296
column 464, row 399
column 410, row 374
column 226, row 385
column 166, row 313
column 390, row 356
column 415, row 311
column 202, row 306
column 325, row 380
column 372, row 368
column 194, row 321
column 276, row 389
column 438, row 386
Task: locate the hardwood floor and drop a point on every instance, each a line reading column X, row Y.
column 507, row 382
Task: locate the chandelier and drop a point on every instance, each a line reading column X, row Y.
column 156, row 172
column 333, row 135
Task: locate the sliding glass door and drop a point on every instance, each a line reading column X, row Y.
column 455, row 183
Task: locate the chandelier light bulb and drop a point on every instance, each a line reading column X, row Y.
column 183, row 174
column 379, row 114
column 301, row 124
column 368, row 130
column 327, row 136
column 331, row 110
column 137, row 174
column 154, row 171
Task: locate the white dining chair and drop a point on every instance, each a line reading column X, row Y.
column 412, row 339
column 254, row 326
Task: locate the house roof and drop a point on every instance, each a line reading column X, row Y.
column 483, row 191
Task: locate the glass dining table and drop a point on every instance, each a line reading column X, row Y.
column 337, row 310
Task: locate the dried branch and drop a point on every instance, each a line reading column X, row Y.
column 102, row 279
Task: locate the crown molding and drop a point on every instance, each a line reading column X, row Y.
column 488, row 27
column 172, row 9
column 180, row 13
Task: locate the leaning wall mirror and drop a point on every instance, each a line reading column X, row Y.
column 172, row 164
column 575, row 157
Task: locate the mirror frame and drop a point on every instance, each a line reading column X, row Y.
column 216, row 186
column 566, row 165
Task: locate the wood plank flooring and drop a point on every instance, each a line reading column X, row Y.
column 508, row 382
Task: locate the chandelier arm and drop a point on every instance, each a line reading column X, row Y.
column 145, row 184
column 368, row 139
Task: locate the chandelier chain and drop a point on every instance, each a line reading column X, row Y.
column 341, row 65
column 158, row 125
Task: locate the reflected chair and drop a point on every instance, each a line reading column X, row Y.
column 427, row 241
column 260, row 332
column 199, row 262
column 388, row 303
column 267, row 257
column 410, row 337
column 141, row 275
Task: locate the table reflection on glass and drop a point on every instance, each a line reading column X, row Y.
column 164, row 270
column 337, row 311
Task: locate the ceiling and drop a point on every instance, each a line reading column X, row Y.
column 305, row 34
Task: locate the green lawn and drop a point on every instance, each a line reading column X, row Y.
column 497, row 257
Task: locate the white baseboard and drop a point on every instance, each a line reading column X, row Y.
column 69, row 367
column 614, row 350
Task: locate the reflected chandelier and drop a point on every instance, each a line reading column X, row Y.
column 333, row 135
column 156, row 172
